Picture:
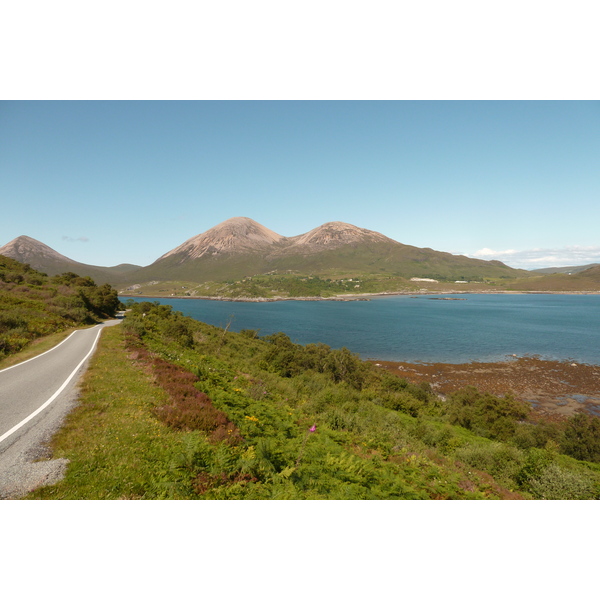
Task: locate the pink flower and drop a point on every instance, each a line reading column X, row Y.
column 313, row 428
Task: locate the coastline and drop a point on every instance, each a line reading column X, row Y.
column 361, row 297
column 554, row 389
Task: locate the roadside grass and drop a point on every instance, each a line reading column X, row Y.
column 35, row 348
column 117, row 449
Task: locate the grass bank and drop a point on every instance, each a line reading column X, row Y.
column 116, row 448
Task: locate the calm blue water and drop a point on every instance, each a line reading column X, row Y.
column 482, row 327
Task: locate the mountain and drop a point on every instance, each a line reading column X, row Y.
column 43, row 258
column 38, row 256
column 241, row 247
column 230, row 258
column 333, row 235
column 238, row 235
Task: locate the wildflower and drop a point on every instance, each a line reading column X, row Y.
column 306, row 435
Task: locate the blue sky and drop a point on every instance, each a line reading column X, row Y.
column 109, row 182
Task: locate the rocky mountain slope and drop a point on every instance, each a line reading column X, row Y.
column 38, row 255
column 238, row 235
column 333, row 235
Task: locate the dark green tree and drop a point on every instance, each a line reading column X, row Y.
column 581, row 438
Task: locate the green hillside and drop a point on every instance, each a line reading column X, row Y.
column 33, row 304
column 111, row 275
column 176, row 409
column 584, row 281
column 395, row 260
column 380, row 266
column 568, row 270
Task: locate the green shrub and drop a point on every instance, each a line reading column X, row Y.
column 486, row 415
column 537, row 460
column 178, row 331
column 557, row 483
column 501, row 461
column 581, row 438
column 536, row 435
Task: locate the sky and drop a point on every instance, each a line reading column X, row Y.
column 110, row 182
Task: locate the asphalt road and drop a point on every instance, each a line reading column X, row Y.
column 35, row 396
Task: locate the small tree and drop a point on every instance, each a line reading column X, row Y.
column 581, row 438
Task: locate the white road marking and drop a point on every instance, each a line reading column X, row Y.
column 42, row 354
column 56, row 394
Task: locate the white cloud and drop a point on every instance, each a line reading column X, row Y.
column 494, row 254
column 540, row 258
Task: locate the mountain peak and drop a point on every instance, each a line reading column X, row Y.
column 29, row 250
column 233, row 236
column 337, row 233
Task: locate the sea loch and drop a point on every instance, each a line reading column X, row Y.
column 480, row 327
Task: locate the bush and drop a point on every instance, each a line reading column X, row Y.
column 556, row 483
column 486, row 415
column 536, row 435
column 288, row 360
column 178, row 331
column 499, row 460
column 581, row 438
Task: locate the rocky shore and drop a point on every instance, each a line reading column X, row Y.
column 556, row 389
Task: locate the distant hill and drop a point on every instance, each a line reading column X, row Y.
column 567, row 270
column 46, row 260
column 583, row 281
column 241, row 247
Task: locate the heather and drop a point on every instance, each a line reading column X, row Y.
column 176, row 408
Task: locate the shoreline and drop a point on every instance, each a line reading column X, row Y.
column 554, row 389
column 360, row 297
